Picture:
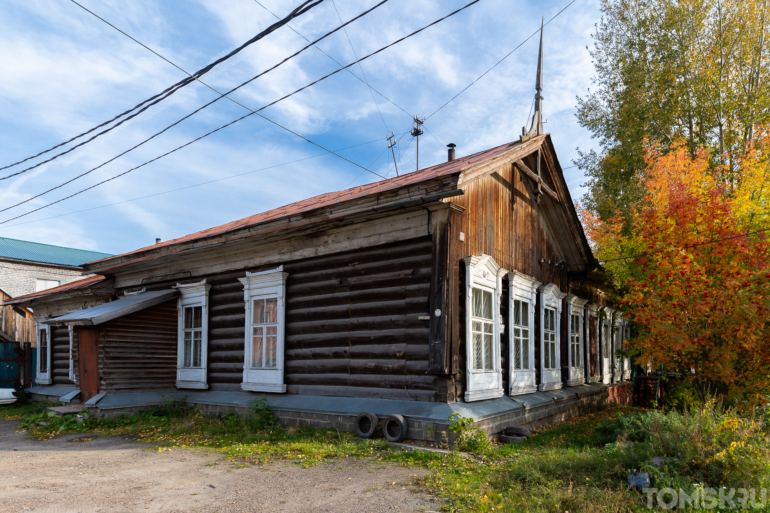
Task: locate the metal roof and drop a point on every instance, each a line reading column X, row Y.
column 331, row 198
column 114, row 309
column 13, row 249
column 73, row 285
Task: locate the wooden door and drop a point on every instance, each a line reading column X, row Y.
column 88, row 360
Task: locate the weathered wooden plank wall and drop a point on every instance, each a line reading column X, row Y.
column 18, row 324
column 60, row 355
column 138, row 351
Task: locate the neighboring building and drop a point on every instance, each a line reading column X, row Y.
column 27, row 267
column 468, row 287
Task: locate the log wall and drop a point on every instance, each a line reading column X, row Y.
column 60, row 355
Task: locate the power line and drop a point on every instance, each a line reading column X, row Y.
column 498, row 62
column 241, row 118
column 336, row 61
column 360, row 67
column 221, row 95
column 195, row 185
column 161, row 96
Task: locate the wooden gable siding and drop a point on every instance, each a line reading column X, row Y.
column 502, row 219
column 60, row 355
column 138, row 351
column 352, row 325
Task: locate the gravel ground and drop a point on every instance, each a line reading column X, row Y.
column 81, row 473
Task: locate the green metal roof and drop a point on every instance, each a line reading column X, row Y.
column 12, row 249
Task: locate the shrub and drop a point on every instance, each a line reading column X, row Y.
column 469, row 439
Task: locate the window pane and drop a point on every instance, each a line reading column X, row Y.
column 525, row 349
column 197, row 348
column 476, row 301
column 517, row 312
column 271, row 310
column 489, row 361
column 517, row 342
column 187, row 349
column 43, row 351
column 547, row 352
column 270, row 350
column 477, row 326
column 259, row 311
column 257, row 348
column 487, row 313
column 488, row 327
column 477, row 365
column 553, row 355
column 524, row 313
column 193, row 317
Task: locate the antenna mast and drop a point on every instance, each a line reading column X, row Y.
column 391, row 143
column 417, row 131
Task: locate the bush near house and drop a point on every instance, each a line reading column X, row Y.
column 579, row 465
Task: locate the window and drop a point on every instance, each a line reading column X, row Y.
column 521, row 317
column 484, row 287
column 43, row 350
column 264, row 293
column 520, row 334
column 550, row 310
column 575, row 341
column 264, row 333
column 192, row 346
column 193, row 336
column 549, row 339
column 42, row 284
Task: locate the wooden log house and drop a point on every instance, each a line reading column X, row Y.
column 465, row 287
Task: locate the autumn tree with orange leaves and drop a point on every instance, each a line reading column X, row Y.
column 693, row 269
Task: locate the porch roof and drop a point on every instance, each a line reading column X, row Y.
column 108, row 311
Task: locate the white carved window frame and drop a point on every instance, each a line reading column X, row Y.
column 626, row 359
column 44, row 377
column 482, row 272
column 192, row 295
column 522, row 288
column 264, row 285
column 593, row 311
column 606, row 344
column 617, row 337
column 576, row 307
column 550, row 297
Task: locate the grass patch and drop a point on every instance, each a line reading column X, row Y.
column 580, row 465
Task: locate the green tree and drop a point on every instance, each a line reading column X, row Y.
column 666, row 71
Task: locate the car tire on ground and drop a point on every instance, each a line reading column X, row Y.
column 367, row 424
column 394, row 428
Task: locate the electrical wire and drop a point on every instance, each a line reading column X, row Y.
column 241, row 118
column 498, row 62
column 196, row 185
column 221, row 95
column 360, row 67
column 336, row 61
column 146, row 104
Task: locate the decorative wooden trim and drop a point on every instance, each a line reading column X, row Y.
column 483, row 272
column 192, row 295
column 523, row 288
column 44, row 378
column 575, row 306
column 265, row 284
column 550, row 297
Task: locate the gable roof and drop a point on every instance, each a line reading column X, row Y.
column 67, row 287
column 512, row 151
column 25, row 251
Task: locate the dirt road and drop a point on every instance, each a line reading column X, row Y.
column 78, row 473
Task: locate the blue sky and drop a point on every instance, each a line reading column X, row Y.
column 65, row 71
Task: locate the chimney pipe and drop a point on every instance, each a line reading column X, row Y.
column 451, row 152
column 157, row 241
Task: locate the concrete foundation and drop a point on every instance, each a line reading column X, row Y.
column 426, row 422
